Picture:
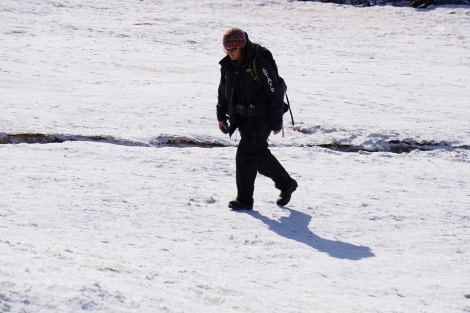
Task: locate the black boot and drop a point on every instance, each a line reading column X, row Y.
column 239, row 205
column 285, row 195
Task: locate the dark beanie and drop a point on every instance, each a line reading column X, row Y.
column 234, row 38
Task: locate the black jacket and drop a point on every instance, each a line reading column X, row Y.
column 238, row 86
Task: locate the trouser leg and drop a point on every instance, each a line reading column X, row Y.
column 253, row 155
column 269, row 166
column 246, row 169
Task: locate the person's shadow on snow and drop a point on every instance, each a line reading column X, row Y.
column 295, row 227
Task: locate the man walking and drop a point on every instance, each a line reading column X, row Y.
column 251, row 99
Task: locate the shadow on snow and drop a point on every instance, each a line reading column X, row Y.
column 295, row 227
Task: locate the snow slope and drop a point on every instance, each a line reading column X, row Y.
column 122, row 221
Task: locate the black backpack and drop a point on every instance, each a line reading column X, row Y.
column 268, row 56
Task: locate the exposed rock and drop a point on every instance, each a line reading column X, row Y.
column 411, row 3
column 422, row 3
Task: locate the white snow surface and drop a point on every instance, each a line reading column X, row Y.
column 130, row 225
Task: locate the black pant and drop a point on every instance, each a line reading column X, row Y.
column 253, row 156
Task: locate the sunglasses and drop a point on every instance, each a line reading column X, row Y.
column 232, row 50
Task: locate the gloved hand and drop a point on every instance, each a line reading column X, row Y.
column 223, row 126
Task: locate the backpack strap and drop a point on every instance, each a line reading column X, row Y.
column 252, row 68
